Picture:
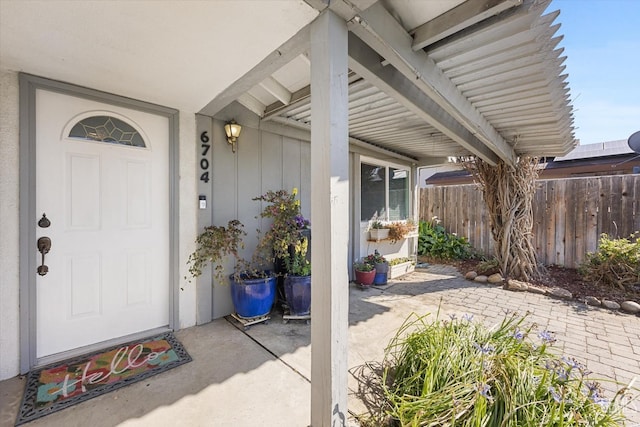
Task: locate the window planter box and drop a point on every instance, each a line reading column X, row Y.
column 401, row 269
column 378, row 234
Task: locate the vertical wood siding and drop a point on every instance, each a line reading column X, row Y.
column 263, row 161
column 569, row 215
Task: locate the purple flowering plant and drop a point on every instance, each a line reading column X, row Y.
column 506, row 375
column 285, row 238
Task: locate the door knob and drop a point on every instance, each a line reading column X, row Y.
column 44, row 246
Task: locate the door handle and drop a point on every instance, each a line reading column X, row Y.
column 44, row 246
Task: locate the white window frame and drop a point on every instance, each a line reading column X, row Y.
column 386, row 165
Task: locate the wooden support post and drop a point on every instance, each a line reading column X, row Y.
column 330, row 219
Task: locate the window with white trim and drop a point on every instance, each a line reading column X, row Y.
column 384, row 192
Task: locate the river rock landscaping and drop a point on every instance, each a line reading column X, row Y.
column 564, row 283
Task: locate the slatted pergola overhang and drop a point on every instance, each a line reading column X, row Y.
column 419, row 81
column 484, row 78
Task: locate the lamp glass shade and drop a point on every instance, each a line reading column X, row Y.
column 232, row 130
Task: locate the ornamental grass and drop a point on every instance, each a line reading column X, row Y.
column 457, row 372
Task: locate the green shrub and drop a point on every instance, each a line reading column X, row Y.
column 616, row 262
column 458, row 372
column 435, row 241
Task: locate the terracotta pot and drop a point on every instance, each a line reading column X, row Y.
column 365, row 278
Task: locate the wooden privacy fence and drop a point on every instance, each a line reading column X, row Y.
column 569, row 214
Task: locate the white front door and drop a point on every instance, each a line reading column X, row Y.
column 107, row 199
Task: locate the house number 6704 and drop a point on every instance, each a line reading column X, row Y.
column 204, row 162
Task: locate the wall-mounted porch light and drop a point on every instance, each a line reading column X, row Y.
column 232, row 129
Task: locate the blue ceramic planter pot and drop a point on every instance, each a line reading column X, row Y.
column 297, row 291
column 380, row 279
column 382, row 272
column 253, row 297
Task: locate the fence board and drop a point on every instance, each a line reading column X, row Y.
column 438, row 211
column 459, row 214
column 549, row 213
column 592, row 198
column 464, row 213
column 448, row 210
column 560, row 208
column 572, row 211
column 568, row 214
column 626, row 208
column 635, row 206
column 474, row 225
column 604, row 209
column 614, row 209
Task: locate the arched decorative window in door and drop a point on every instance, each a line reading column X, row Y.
column 107, row 129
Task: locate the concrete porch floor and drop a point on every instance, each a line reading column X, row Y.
column 259, row 377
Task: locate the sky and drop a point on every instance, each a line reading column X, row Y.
column 602, row 45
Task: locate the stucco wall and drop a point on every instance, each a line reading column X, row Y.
column 9, row 331
column 187, row 208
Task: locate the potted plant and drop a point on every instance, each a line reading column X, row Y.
column 365, row 273
column 378, row 230
column 381, row 266
column 297, row 282
column 399, row 230
column 286, row 244
column 400, row 266
column 253, row 294
column 252, row 289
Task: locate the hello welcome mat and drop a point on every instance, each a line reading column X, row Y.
column 58, row 386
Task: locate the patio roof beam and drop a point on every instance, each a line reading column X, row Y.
column 460, row 17
column 274, row 87
column 377, row 28
column 366, row 63
column 251, row 103
column 290, row 49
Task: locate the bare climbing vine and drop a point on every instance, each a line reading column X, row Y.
column 508, row 192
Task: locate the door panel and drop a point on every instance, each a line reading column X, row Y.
column 83, row 192
column 83, row 275
column 108, row 204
